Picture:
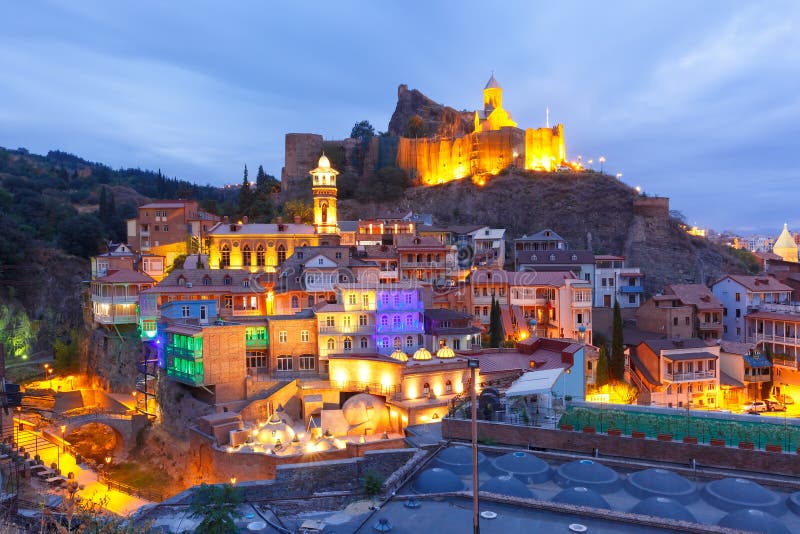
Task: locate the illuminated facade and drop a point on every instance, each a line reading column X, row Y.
column 323, row 188
column 115, row 296
column 785, row 247
column 495, row 144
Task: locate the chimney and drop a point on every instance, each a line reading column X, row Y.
column 244, row 219
column 297, row 219
column 279, row 220
column 225, row 219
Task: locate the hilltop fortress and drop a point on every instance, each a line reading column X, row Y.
column 434, row 143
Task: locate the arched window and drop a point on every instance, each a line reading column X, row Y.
column 426, row 389
column 448, row 387
column 397, row 342
column 428, row 258
column 295, row 302
column 419, row 258
column 385, row 342
column 281, row 253
column 385, row 321
column 324, row 209
column 206, row 280
column 397, row 322
column 181, row 280
column 246, row 256
column 260, row 261
column 225, row 257
column 227, row 280
column 348, row 344
column 409, row 341
column 364, row 343
column 331, row 344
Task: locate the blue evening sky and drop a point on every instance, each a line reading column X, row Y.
column 699, row 101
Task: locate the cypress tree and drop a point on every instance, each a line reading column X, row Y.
column 245, row 196
column 617, row 360
column 496, row 334
column 601, row 373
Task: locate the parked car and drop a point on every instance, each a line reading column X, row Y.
column 754, row 407
column 775, row 406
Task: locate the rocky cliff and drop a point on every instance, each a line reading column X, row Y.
column 589, row 210
column 436, row 119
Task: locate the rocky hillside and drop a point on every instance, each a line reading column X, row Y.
column 589, row 210
column 433, row 118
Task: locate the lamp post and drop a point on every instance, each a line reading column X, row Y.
column 233, row 481
column 601, row 159
column 50, row 374
column 16, row 425
column 619, row 176
column 473, row 365
column 46, row 369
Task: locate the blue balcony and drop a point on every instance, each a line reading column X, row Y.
column 631, row 289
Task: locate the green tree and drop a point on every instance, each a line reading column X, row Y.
column 362, row 130
column 373, row 483
column 601, row 373
column 297, row 207
column 616, row 365
column 415, row 127
column 245, row 196
column 496, row 333
column 216, row 507
column 81, row 235
column 16, row 331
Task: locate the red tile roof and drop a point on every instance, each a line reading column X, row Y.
column 695, row 294
column 125, row 276
column 758, row 283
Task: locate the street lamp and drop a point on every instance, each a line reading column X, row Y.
column 50, row 374
column 46, row 368
column 601, row 159
column 619, row 176
column 16, row 425
column 233, row 481
column 63, row 430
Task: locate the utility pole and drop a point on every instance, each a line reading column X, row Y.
column 473, row 364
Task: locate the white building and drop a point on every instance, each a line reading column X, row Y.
column 614, row 281
column 741, row 295
column 490, row 246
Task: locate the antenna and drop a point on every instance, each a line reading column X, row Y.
column 548, row 116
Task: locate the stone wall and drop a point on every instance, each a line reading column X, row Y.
column 302, row 152
column 627, row 447
column 651, row 207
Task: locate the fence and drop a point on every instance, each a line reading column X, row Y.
column 152, row 496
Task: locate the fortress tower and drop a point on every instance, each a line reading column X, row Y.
column 323, row 187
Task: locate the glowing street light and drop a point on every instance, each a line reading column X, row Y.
column 619, row 176
column 601, row 159
column 233, row 481
column 50, row 374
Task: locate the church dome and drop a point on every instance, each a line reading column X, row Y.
column 323, row 162
column 445, row 352
column 785, row 247
column 399, row 355
column 422, row 354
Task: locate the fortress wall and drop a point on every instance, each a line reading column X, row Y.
column 651, row 206
column 544, row 147
column 301, row 154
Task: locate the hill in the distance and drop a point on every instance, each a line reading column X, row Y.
column 589, row 210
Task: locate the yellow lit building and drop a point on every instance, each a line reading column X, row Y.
column 785, row 247
column 323, row 187
column 495, row 144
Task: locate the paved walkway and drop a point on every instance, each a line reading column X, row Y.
column 116, row 501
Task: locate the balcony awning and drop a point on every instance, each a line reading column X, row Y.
column 535, row 382
column 757, row 361
column 683, row 356
column 727, row 381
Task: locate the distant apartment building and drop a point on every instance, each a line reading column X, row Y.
column 426, row 259
column 676, row 373
column 547, row 239
column 452, row 329
column 613, row 281
column 741, row 295
column 682, row 311
column 490, row 247
column 580, row 262
column 292, row 348
column 169, row 228
column 743, row 370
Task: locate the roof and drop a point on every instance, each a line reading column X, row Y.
column 261, row 229
column 757, row 283
column 408, row 241
column 775, row 316
column 757, row 361
column 545, row 235
column 488, row 233
column 785, row 240
column 699, row 355
column 304, row 314
column 736, row 347
column 458, row 229
column 348, row 226
column 445, row 314
column 302, row 255
column 697, row 295
column 533, row 382
column 607, row 257
column 492, row 83
column 125, row 276
column 521, row 278
column 193, row 282
column 642, row 368
column 379, row 251
column 544, row 257
column 657, row 345
column 727, row 380
column 168, row 204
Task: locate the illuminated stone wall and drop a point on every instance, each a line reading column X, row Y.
column 431, row 161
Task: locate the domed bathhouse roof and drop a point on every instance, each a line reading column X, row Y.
column 736, row 493
column 794, row 502
column 437, row 480
column 589, row 474
column 526, row 467
column 458, row 459
column 785, row 247
column 422, row 354
column 445, row 352
column 661, row 483
column 664, row 507
column 399, row 355
column 507, row 485
column 581, row 496
column 750, row 520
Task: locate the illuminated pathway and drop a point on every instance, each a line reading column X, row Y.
column 118, row 502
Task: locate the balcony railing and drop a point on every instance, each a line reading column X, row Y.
column 193, row 379
column 257, row 343
column 757, row 378
column 119, row 299
column 116, row 319
column 791, row 363
column 392, row 391
column 709, row 325
column 631, row 289
column 787, row 340
column 687, row 377
column 341, row 329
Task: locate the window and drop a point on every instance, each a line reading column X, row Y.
column 409, row 342
column 485, row 311
column 680, row 389
column 674, row 321
column 738, row 313
column 304, row 336
column 426, row 389
column 260, row 260
column 283, row 336
column 310, row 301
column 284, row 363
column 227, row 302
column 687, row 321
column 485, row 292
column 396, row 300
column 385, row 299
column 225, row 257
column 330, row 320
column 246, row 256
column 348, row 344
column 580, row 318
column 281, row 253
column 184, row 311
column 456, row 344
column 295, row 302
column 397, row 322
column 365, row 300
column 227, row 280
column 306, row 362
column 331, row 344
column 352, row 299
column 256, row 360
column 246, row 282
column 409, row 298
column 384, row 321
column 364, row 343
column 346, row 321
column 338, row 255
column 409, row 321
column 669, row 389
column 206, row 280
column 477, row 311
column 631, row 299
column 738, row 297
column 362, row 320
column 724, row 312
column 448, row 387
column 396, row 342
column 385, row 342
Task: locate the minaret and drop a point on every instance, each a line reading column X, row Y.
column 323, row 187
